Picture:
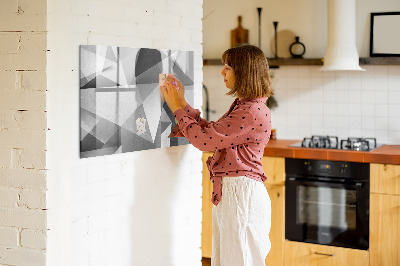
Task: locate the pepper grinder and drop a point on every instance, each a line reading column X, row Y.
column 276, row 38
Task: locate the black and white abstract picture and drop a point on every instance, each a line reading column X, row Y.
column 121, row 105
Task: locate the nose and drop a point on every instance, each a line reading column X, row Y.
column 223, row 72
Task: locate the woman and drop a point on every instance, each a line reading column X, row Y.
column 242, row 208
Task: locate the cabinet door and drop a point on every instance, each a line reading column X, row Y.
column 304, row 254
column 274, row 168
column 384, row 230
column 277, row 233
column 385, row 178
column 206, row 232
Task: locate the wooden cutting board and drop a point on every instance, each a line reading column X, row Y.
column 239, row 35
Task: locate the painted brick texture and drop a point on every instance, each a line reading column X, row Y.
column 23, row 128
column 140, row 208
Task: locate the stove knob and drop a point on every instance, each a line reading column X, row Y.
column 308, row 166
column 343, row 168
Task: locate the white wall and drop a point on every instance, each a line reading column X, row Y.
column 311, row 102
column 23, row 133
column 140, row 208
column 306, row 19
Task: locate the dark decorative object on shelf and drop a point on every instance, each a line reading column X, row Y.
column 276, row 38
column 297, row 49
column 259, row 26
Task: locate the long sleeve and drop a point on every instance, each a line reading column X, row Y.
column 193, row 113
column 231, row 130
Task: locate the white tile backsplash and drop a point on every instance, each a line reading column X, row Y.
column 394, row 97
column 345, row 103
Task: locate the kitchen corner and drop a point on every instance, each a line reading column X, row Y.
column 382, row 216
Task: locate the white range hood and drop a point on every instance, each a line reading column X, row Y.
column 341, row 51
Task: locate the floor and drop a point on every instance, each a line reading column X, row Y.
column 206, row 261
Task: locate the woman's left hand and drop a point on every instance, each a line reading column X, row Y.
column 170, row 91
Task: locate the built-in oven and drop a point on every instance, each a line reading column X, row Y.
column 327, row 202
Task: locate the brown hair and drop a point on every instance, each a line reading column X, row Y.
column 250, row 66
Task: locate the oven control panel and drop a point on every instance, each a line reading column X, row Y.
column 338, row 169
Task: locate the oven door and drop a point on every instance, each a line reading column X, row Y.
column 327, row 213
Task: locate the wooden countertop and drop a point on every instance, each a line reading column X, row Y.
column 389, row 154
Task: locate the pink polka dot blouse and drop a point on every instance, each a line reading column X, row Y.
column 238, row 139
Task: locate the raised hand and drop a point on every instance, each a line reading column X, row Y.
column 174, row 93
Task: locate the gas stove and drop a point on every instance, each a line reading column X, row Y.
column 332, row 142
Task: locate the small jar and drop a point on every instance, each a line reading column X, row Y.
column 273, row 134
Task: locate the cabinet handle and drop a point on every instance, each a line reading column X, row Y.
column 324, row 254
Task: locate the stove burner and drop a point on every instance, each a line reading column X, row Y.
column 358, row 144
column 328, row 142
column 332, row 142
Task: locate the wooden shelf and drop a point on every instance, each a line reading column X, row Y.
column 274, row 63
column 380, row 61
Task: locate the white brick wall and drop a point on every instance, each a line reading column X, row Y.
column 140, row 208
column 22, row 132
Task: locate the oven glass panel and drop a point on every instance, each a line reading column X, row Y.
column 326, row 207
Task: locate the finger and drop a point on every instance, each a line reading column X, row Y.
column 164, row 90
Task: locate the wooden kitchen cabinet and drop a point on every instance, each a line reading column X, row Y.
column 277, row 233
column 274, row 168
column 305, row 254
column 385, row 178
column 385, row 215
column 206, row 232
column 384, row 236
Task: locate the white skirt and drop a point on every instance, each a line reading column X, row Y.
column 241, row 223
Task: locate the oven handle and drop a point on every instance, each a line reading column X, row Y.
column 357, row 185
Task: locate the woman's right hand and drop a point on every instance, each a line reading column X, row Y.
column 181, row 90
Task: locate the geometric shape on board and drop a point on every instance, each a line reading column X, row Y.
column 164, row 116
column 165, row 141
column 105, row 129
column 150, row 76
column 119, row 150
column 99, row 152
column 132, row 142
column 145, row 60
column 168, row 113
column 189, row 94
column 182, row 76
column 88, row 82
column 111, row 54
column 102, row 82
column 83, row 133
column 145, row 90
column 107, row 106
column 90, row 142
column 128, row 102
column 131, row 124
column 88, row 100
column 114, row 141
column 88, row 120
column 127, row 58
column 164, row 126
column 152, row 109
column 179, row 141
column 87, row 61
